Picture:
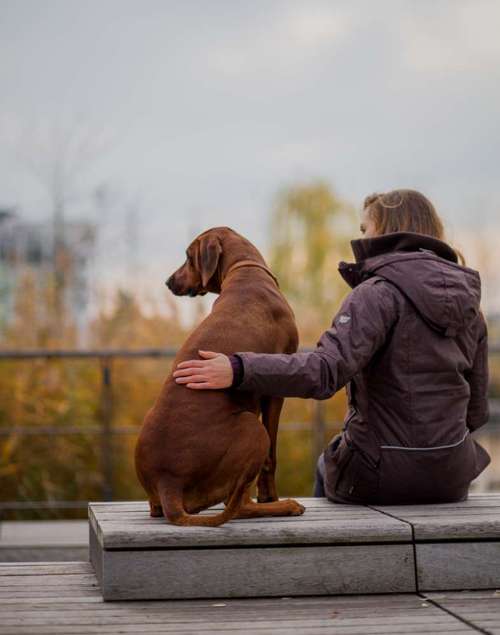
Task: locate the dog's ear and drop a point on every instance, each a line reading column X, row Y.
column 210, row 251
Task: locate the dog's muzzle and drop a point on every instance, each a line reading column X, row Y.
column 190, row 291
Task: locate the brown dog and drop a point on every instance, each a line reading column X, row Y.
column 200, row 448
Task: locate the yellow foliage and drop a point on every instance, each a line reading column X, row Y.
column 310, row 232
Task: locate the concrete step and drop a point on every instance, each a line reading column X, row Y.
column 331, row 549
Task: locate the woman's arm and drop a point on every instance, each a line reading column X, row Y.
column 477, row 377
column 357, row 331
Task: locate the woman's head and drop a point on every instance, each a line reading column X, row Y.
column 400, row 211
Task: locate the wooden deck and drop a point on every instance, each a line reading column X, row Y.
column 54, row 598
column 331, row 549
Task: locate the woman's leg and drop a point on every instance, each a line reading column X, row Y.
column 319, row 481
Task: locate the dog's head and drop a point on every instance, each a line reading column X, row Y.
column 202, row 270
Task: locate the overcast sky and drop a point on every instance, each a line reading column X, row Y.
column 206, row 108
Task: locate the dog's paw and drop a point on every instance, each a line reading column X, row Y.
column 295, row 508
column 155, row 511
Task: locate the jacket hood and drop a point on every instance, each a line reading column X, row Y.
column 445, row 294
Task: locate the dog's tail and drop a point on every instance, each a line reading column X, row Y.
column 173, row 507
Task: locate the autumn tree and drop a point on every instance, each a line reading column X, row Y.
column 310, row 232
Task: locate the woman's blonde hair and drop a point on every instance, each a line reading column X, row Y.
column 405, row 211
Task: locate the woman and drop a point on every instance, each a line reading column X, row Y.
column 410, row 345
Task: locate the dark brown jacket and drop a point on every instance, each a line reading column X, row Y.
column 410, row 345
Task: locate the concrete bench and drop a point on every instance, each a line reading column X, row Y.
column 331, row 549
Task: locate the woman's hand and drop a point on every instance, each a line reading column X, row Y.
column 213, row 371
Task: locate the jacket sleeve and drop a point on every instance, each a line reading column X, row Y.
column 477, row 377
column 357, row 331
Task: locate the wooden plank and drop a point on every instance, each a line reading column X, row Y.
column 311, row 516
column 173, row 608
column 308, row 502
column 458, row 565
column 50, row 592
column 429, row 625
column 490, row 501
column 335, row 524
column 281, row 628
column 470, row 520
column 48, row 579
column 43, row 554
column 42, row 568
column 127, row 615
column 257, row 572
column 44, row 595
column 356, row 604
column 51, row 600
column 355, row 607
column 471, row 514
column 441, row 509
column 481, row 608
column 314, row 516
column 429, row 620
column 105, row 612
column 480, row 527
column 351, row 605
column 326, row 532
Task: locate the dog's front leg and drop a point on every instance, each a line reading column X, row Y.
column 266, row 485
column 155, row 510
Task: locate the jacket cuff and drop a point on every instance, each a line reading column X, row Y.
column 238, row 370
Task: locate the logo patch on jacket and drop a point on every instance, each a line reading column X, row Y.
column 343, row 319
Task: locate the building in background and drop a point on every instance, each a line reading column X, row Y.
column 27, row 246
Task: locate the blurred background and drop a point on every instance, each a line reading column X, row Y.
column 128, row 127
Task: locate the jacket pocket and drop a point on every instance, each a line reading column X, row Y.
column 430, row 475
column 360, row 480
column 350, row 474
column 337, row 457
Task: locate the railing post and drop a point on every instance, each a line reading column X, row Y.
column 106, row 416
column 319, row 428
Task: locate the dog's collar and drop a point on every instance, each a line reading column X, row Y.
column 249, row 263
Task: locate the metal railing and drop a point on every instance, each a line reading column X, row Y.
column 106, row 430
